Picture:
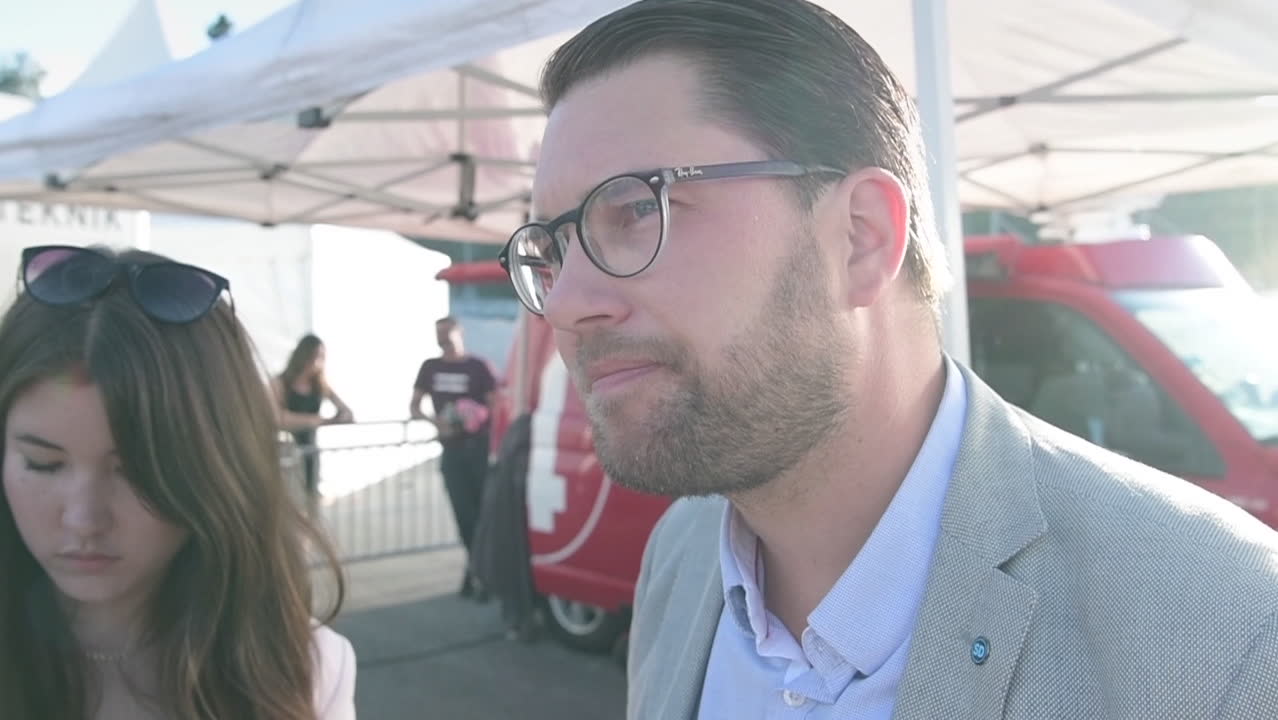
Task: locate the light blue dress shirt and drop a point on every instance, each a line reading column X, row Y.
column 851, row 658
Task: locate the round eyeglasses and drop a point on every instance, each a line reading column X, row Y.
column 621, row 225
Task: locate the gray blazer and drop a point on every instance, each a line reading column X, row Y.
column 1102, row 589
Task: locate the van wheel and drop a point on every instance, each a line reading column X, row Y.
column 581, row 626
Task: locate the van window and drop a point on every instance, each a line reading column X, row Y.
column 1226, row 338
column 1059, row 365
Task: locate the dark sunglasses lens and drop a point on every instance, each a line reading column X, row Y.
column 65, row 276
column 175, row 293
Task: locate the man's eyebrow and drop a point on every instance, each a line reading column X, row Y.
column 581, row 199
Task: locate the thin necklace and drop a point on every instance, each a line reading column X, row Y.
column 106, row 658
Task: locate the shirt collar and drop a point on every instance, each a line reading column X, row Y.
column 870, row 611
column 885, row 583
column 742, row 575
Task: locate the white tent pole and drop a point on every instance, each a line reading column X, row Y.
column 523, row 335
column 936, row 108
column 1051, row 88
column 1102, row 99
column 461, row 115
column 1013, row 203
column 1211, row 160
column 409, row 116
column 493, row 78
column 306, row 216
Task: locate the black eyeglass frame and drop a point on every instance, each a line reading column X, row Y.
column 132, row 271
column 659, row 182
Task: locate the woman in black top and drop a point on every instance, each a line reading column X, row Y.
column 300, row 392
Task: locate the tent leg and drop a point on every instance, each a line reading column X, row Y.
column 936, row 108
column 523, row 332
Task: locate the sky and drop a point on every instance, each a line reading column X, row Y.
column 64, row 35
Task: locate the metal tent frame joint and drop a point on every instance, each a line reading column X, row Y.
column 313, row 118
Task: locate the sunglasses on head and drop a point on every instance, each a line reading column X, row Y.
column 62, row 275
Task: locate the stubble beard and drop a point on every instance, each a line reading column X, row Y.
column 775, row 396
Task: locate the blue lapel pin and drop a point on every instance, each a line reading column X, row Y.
column 980, row 650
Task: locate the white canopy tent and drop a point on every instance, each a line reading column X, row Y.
column 28, row 223
column 314, row 115
column 287, row 281
column 423, row 118
column 141, row 42
column 338, row 112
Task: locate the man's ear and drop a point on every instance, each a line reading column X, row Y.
column 875, row 225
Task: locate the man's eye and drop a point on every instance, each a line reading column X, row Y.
column 37, row 467
column 644, row 208
column 640, row 210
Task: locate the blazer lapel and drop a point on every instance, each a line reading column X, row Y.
column 975, row 617
column 690, row 663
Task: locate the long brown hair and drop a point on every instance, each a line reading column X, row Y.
column 195, row 432
column 301, row 358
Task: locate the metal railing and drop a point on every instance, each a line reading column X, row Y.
column 380, row 490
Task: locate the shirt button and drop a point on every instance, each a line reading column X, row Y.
column 793, row 699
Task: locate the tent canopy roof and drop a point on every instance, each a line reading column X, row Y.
column 423, row 117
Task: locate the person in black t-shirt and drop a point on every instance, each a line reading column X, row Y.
column 461, row 388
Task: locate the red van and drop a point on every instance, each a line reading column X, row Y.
column 1154, row 348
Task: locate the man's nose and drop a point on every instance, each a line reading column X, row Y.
column 583, row 295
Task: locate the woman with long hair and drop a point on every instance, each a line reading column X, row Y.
column 300, row 392
column 154, row 565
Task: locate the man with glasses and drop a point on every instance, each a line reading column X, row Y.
column 733, row 242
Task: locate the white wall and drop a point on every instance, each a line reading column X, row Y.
column 489, row 326
column 23, row 224
column 269, row 268
column 376, row 301
column 371, row 295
